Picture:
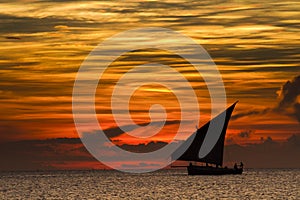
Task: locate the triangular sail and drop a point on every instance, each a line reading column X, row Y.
column 215, row 156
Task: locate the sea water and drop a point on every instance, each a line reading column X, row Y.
column 163, row 184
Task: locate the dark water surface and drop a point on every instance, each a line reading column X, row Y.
column 164, row 184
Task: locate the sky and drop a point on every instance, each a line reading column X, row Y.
column 254, row 45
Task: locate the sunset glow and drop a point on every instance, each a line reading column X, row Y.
column 43, row 44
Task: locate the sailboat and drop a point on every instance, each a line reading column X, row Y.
column 214, row 159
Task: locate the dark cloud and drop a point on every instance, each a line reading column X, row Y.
column 12, row 38
column 246, row 133
column 268, row 140
column 289, row 94
column 61, row 152
column 288, row 104
column 294, row 140
column 143, row 148
column 267, row 154
column 252, row 112
column 297, row 111
column 229, row 141
column 15, row 24
column 46, row 154
column 40, row 154
column 116, row 131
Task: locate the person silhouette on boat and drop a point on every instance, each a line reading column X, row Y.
column 241, row 165
column 235, row 166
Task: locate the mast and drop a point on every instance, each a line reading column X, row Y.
column 215, row 156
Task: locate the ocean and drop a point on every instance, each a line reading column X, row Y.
column 163, row 184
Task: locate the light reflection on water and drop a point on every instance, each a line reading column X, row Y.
column 164, row 184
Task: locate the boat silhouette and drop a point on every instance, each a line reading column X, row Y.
column 214, row 158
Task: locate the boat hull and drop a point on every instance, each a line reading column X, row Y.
column 201, row 170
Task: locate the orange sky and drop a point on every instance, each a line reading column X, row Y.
column 43, row 43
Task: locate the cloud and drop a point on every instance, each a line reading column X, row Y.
column 267, row 154
column 12, row 38
column 229, row 141
column 116, row 131
column 246, row 133
column 252, row 112
column 289, row 102
column 62, row 153
column 290, row 98
column 57, row 153
column 37, row 65
column 41, row 154
column 143, row 148
column 294, row 140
